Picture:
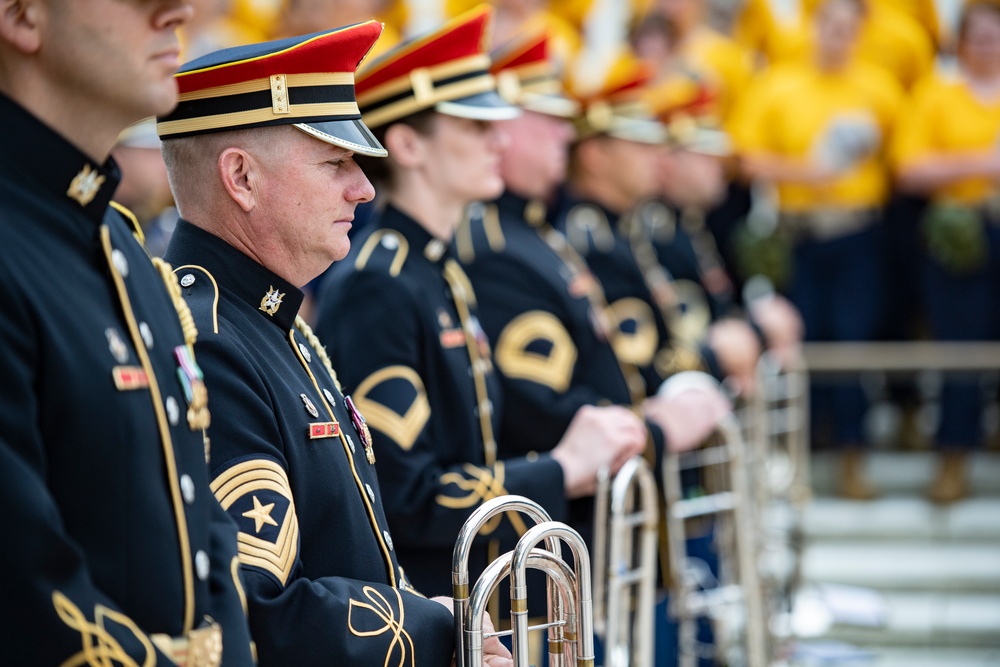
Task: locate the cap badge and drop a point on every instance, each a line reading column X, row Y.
column 84, row 186
column 271, row 301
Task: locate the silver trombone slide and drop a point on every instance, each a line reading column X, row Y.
column 738, row 563
column 565, row 583
column 463, row 547
column 519, row 590
column 625, row 581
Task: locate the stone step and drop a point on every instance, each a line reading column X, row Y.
column 906, row 473
column 900, row 565
column 958, row 620
column 903, row 518
column 893, row 656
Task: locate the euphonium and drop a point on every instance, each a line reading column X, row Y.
column 625, row 577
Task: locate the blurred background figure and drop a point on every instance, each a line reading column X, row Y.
column 823, row 155
column 301, row 17
column 947, row 148
column 144, row 188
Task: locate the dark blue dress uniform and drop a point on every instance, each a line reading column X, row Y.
column 644, row 303
column 399, row 317
column 111, row 535
column 547, row 316
column 293, row 465
column 686, row 248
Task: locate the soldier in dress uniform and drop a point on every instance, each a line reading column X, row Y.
column 613, row 169
column 115, row 549
column 414, row 352
column 260, row 157
column 539, row 302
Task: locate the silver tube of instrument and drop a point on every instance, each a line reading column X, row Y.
column 463, row 547
column 635, row 473
column 518, row 590
column 565, row 586
column 602, row 499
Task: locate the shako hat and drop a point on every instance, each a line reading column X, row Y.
column 306, row 82
column 446, row 70
column 528, row 77
column 615, row 106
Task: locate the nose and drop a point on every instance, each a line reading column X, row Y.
column 361, row 190
column 499, row 136
column 173, row 14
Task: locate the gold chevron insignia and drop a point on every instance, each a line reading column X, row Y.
column 635, row 338
column 401, row 422
column 257, row 496
column 535, row 346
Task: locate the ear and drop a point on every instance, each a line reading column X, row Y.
column 20, row 24
column 240, row 177
column 405, row 145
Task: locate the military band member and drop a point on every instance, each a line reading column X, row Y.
column 413, row 350
column 613, row 169
column 539, row 302
column 260, row 156
column 115, row 550
column 540, row 305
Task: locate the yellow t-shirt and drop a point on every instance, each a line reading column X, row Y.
column 797, row 112
column 925, row 13
column 889, row 38
column 944, row 116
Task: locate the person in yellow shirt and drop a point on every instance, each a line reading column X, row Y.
column 948, row 149
column 815, row 130
column 888, row 37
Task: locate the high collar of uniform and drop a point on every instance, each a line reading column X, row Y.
column 431, row 248
column 55, row 165
column 533, row 211
column 272, row 297
column 572, row 198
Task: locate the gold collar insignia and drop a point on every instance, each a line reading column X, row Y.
column 271, row 301
column 84, row 186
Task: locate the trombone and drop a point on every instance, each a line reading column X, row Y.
column 738, row 595
column 625, row 563
column 570, row 614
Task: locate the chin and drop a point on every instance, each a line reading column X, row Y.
column 161, row 102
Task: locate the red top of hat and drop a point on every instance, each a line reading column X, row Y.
column 339, row 50
column 531, row 50
column 462, row 37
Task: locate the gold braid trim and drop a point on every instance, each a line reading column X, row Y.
column 188, row 326
column 308, row 334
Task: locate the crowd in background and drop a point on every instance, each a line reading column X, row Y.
column 847, row 150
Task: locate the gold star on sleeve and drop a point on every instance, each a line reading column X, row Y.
column 261, row 514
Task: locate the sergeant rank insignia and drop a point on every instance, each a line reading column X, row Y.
column 361, row 426
column 271, row 301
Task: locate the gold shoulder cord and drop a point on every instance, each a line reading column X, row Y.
column 188, row 326
column 308, row 334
